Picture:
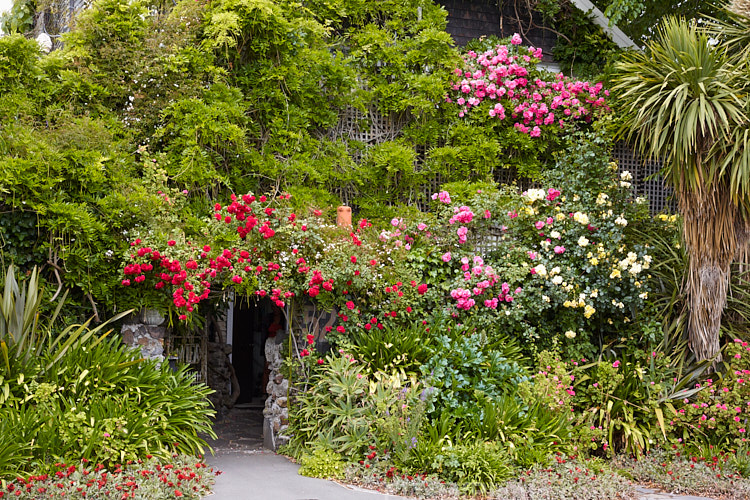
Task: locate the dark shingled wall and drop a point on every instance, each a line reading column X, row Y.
column 471, row 19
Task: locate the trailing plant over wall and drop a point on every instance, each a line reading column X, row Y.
column 234, row 96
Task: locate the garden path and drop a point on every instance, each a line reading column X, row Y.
column 250, row 472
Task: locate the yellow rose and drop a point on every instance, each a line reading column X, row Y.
column 588, row 311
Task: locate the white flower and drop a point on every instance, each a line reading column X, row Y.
column 621, row 221
column 624, row 184
column 541, row 270
column 602, row 198
column 557, row 280
column 595, row 293
column 583, row 241
column 545, row 298
column 535, row 194
column 554, row 234
column 581, row 218
column 643, row 295
column 635, row 269
column 570, row 334
column 555, row 270
column 626, row 176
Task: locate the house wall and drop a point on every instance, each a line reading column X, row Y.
column 472, row 19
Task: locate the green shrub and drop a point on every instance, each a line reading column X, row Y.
column 76, row 394
column 464, row 361
column 530, row 433
column 394, row 348
column 333, row 409
column 475, row 466
column 322, row 463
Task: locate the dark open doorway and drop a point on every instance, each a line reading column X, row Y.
column 253, row 322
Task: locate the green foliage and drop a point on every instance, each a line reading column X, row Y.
column 333, row 409
column 394, row 348
column 631, row 397
column 200, row 135
column 19, row 19
column 529, row 432
column 653, row 87
column 322, row 463
column 464, row 361
column 72, row 393
column 475, row 466
column 18, row 66
column 717, row 414
column 399, row 418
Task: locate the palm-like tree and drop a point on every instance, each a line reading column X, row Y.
column 685, row 103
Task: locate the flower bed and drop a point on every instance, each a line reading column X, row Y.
column 182, row 477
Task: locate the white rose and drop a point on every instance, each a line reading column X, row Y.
column 581, row 218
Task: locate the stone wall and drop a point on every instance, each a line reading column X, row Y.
column 221, row 377
column 149, row 338
column 276, row 412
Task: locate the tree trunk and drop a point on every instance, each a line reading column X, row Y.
column 709, row 233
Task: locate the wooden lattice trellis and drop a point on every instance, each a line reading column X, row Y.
column 371, row 128
column 190, row 348
column 646, row 181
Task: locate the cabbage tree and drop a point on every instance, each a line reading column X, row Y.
column 685, row 103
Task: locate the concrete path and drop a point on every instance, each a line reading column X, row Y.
column 263, row 475
column 250, row 472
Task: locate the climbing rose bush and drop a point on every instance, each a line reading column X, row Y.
column 504, row 84
column 547, row 277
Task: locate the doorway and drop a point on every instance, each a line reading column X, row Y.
column 252, row 323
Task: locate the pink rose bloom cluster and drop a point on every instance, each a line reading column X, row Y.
column 486, row 278
column 443, row 196
column 461, row 232
column 502, row 73
column 462, row 214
